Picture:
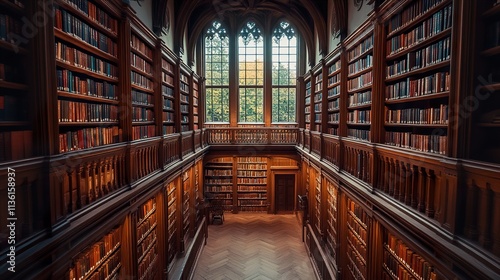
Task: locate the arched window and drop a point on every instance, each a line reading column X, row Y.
column 251, row 73
column 284, row 73
column 217, row 73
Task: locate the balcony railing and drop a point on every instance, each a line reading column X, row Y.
column 253, row 136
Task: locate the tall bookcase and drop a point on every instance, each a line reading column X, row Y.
column 186, row 206
column 485, row 135
column 318, row 196
column 142, row 83
column 417, row 82
column 196, row 100
column 101, row 260
column 359, row 87
column 333, row 95
column 219, row 181
column 168, row 94
column 252, row 184
column 307, row 103
column 357, row 241
column 172, row 222
column 16, row 135
column 87, row 75
column 318, row 100
column 184, row 97
column 147, row 242
column 332, row 224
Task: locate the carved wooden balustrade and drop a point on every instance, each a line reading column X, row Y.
column 197, row 140
column 25, row 185
column 187, row 143
column 82, row 177
column 307, row 140
column 301, row 137
column 414, row 181
column 331, row 149
column 481, row 214
column 170, row 148
column 316, row 143
column 256, row 136
column 358, row 160
column 144, row 158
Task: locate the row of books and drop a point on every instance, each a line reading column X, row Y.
column 167, row 78
column 360, row 98
column 418, row 115
column 439, row 22
column 333, row 130
column 71, row 25
column 318, row 97
column 69, row 111
column 361, row 64
column 218, row 188
column 140, row 63
column 252, row 166
column 359, row 116
column 167, row 91
column 358, row 212
column 167, row 66
column 95, row 14
column 143, row 131
column 359, row 134
column 435, row 53
column 147, row 268
column 435, row 83
column 184, row 128
column 140, row 80
column 252, row 180
column 395, row 270
column 356, row 265
column 168, row 104
column 219, row 172
column 307, row 109
column 9, row 25
column 145, row 226
column 333, row 105
column 168, row 116
column 252, row 188
column 317, row 108
column 335, row 66
column 360, row 82
column 168, row 130
column 15, row 145
column 412, row 11
column 184, row 98
column 86, row 61
column 184, row 119
column 140, row 114
column 356, row 244
column 142, row 98
column 252, row 196
column 411, row 260
column 184, row 87
column 184, row 108
column 418, row 142
column 357, row 229
column 252, row 202
column 88, row 138
column 361, row 48
column 84, row 268
column 146, row 243
column 218, row 181
column 334, row 92
column 10, row 109
column 137, row 44
column 334, row 118
column 251, row 173
column 333, row 79
column 69, row 81
column 146, row 209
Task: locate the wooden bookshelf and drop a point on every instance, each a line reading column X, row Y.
column 418, row 50
column 307, row 103
column 359, row 87
column 186, row 205
column 485, row 129
column 172, row 244
column 86, row 76
column 357, row 241
column 219, row 181
column 251, row 184
column 196, row 100
column 147, row 241
column 401, row 262
column 333, row 95
column 332, row 225
column 184, row 97
column 317, row 218
column 168, row 94
column 101, row 260
column 318, row 100
column 142, row 83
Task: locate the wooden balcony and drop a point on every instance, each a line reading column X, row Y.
column 252, row 136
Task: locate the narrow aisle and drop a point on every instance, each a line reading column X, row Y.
column 254, row 246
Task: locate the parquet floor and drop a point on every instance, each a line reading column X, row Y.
column 254, row 246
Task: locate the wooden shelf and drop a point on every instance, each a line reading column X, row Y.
column 417, row 125
column 143, row 123
column 404, row 264
column 137, row 87
column 101, row 262
column 12, row 8
column 13, row 123
column 420, row 45
column 84, row 45
column 99, row 124
column 11, row 85
column 363, row 54
column 84, row 71
column 139, row 71
column 86, row 97
column 168, row 85
column 139, row 53
column 362, row 106
column 494, row 87
column 428, row 68
column 12, row 48
column 153, row 243
column 334, row 72
column 492, row 51
column 418, row 98
column 364, row 88
column 143, row 105
column 359, row 73
column 358, row 124
column 492, row 11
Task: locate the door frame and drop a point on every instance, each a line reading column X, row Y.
column 282, row 170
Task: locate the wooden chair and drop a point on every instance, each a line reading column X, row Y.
column 217, row 211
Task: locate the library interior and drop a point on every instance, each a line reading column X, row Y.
column 130, row 129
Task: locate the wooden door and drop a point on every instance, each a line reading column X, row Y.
column 284, row 190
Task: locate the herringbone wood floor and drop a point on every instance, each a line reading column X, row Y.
column 254, row 246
